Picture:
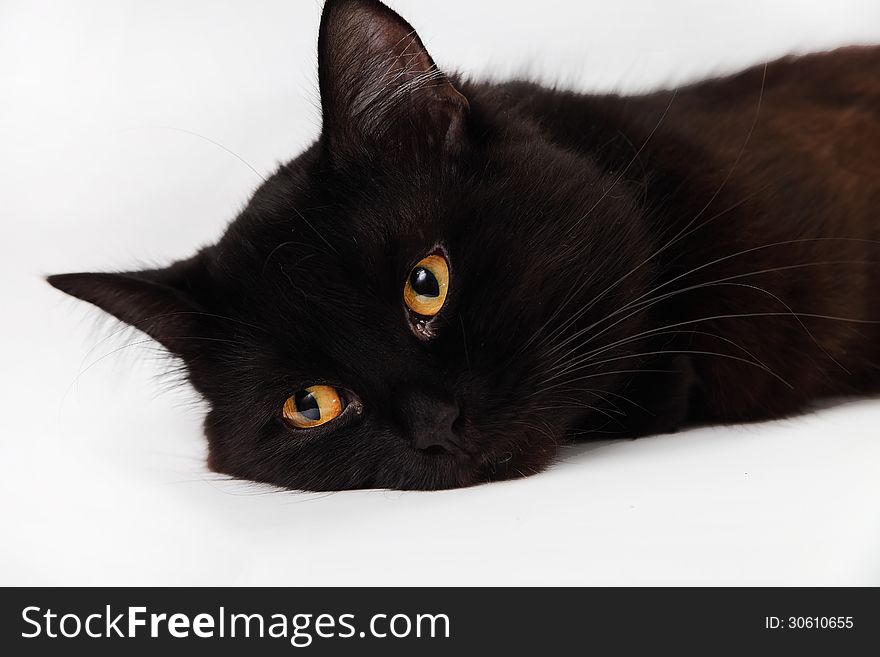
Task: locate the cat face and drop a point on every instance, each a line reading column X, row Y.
column 398, row 306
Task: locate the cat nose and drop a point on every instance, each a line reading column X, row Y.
column 431, row 423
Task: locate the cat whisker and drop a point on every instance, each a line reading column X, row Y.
column 744, row 315
column 602, row 393
column 586, row 308
column 200, row 136
column 661, row 352
column 542, row 391
column 626, row 168
column 658, row 331
column 316, row 231
column 699, row 214
column 281, row 246
column 569, row 406
column 698, row 287
column 576, row 401
column 642, row 303
column 574, row 293
column 771, row 269
column 652, row 333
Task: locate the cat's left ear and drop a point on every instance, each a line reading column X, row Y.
column 380, row 89
column 163, row 303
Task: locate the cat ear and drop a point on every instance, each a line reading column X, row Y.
column 159, row 302
column 380, row 89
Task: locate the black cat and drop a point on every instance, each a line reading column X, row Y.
column 456, row 277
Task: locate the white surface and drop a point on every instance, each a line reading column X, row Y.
column 103, row 481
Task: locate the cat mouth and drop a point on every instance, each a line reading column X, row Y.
column 458, row 451
column 463, row 464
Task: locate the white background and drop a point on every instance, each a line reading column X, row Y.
column 103, row 479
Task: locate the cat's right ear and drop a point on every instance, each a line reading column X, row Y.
column 380, row 90
column 163, row 303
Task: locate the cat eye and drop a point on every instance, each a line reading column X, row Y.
column 427, row 285
column 313, row 406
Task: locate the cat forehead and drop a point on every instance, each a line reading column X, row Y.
column 305, row 269
column 351, row 230
column 344, row 220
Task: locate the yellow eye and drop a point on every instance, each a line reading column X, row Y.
column 312, row 406
column 426, row 286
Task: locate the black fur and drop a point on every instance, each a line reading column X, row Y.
column 578, row 231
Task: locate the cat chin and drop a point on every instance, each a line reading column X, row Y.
column 421, row 472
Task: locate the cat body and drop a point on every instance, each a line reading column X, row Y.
column 457, row 277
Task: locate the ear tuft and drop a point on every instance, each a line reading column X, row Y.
column 379, row 86
column 152, row 301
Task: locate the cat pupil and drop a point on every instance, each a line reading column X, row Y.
column 424, row 283
column 307, row 405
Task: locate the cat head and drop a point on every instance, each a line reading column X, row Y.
column 398, row 306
